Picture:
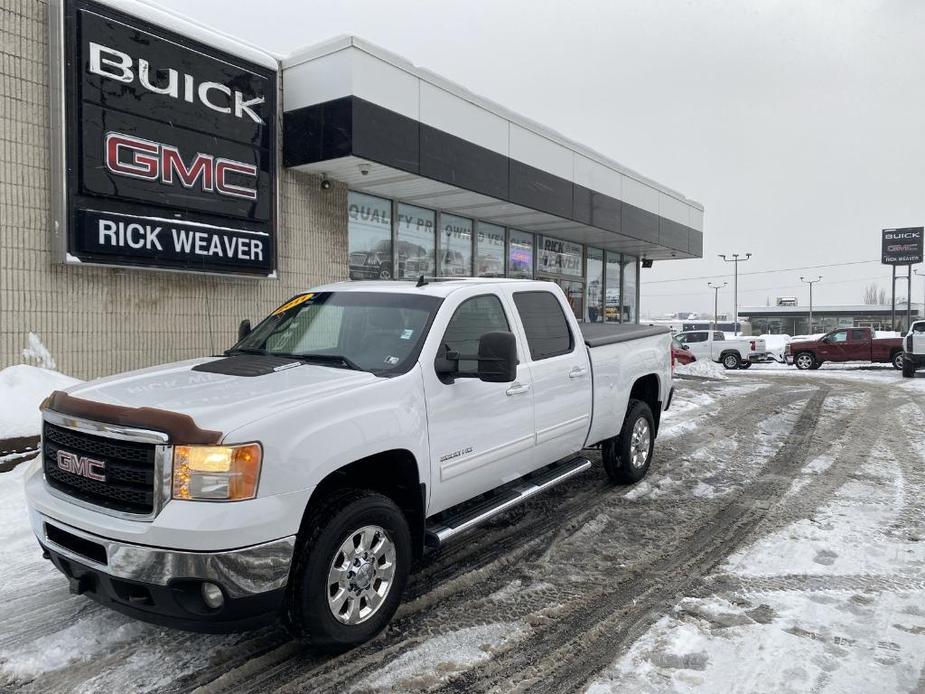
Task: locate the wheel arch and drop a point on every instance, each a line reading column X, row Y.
column 393, row 473
column 648, row 389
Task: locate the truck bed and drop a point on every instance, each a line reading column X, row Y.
column 599, row 334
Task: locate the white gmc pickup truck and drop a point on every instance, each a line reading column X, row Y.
column 358, row 425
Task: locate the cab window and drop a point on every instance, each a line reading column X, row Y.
column 474, row 317
column 838, row 337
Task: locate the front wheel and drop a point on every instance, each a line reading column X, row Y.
column 804, row 361
column 898, row 360
column 731, row 361
column 349, row 571
column 627, row 456
column 908, row 369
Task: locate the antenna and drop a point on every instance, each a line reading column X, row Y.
column 421, row 281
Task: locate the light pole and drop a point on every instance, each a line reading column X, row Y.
column 716, row 288
column 811, row 283
column 735, row 286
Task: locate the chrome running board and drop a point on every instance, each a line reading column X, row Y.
column 445, row 526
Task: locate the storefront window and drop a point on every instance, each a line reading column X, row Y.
column 454, row 248
column 612, row 289
column 369, row 232
column 489, row 251
column 574, row 293
column 521, row 255
column 630, row 313
column 558, row 257
column 414, row 241
column 594, row 286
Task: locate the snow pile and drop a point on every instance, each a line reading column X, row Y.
column 437, row 658
column 22, row 390
column 703, row 368
column 36, row 351
column 776, row 343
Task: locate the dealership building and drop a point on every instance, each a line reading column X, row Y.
column 161, row 181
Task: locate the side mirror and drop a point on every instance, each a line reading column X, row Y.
column 244, row 329
column 498, row 357
column 684, row 345
column 447, row 366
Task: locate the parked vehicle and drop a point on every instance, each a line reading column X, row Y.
column 735, row 353
column 360, row 423
column 845, row 344
column 914, row 349
column 680, row 353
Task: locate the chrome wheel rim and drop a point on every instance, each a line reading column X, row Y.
column 804, row 361
column 730, row 362
column 361, row 575
column 898, row 361
column 640, row 443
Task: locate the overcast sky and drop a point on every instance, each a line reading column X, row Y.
column 798, row 124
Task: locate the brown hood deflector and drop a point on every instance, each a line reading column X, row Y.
column 180, row 428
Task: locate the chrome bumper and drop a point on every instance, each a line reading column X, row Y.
column 240, row 572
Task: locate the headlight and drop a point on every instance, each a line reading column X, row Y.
column 216, row 473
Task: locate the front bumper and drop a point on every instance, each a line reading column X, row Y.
column 163, row 586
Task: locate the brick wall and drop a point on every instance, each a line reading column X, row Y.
column 97, row 321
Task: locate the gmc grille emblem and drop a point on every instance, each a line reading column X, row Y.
column 81, row 465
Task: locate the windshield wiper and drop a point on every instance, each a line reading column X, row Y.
column 335, row 359
column 245, row 350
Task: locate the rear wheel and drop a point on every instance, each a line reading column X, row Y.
column 627, row 456
column 731, row 360
column 897, row 360
column 350, row 570
column 805, row 360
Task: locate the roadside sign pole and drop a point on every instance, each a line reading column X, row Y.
column 893, row 302
column 735, row 286
column 908, row 296
column 811, row 283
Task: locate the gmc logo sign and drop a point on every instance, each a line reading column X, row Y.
column 127, row 155
column 83, row 466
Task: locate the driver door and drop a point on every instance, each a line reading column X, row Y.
column 481, row 434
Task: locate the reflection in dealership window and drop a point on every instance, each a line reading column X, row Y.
column 369, row 231
column 415, row 242
column 629, row 289
column 612, row 311
column 521, row 255
column 559, row 257
column 489, row 251
column 574, row 293
column 454, row 246
column 594, row 309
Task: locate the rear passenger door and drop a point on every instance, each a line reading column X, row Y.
column 561, row 375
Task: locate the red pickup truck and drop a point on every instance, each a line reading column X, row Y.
column 845, row 344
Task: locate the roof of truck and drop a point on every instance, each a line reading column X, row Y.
column 433, row 287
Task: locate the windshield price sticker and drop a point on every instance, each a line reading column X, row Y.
column 298, row 301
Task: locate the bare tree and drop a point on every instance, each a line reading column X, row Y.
column 874, row 295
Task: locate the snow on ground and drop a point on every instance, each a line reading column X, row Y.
column 437, row 658
column 22, row 390
column 831, row 603
column 704, row 368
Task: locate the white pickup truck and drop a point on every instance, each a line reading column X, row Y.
column 359, row 424
column 735, row 353
column 914, row 349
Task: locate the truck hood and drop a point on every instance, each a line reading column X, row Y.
column 219, row 401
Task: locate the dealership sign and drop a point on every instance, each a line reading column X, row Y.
column 168, row 147
column 903, row 246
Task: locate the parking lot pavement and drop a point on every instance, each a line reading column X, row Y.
column 777, row 544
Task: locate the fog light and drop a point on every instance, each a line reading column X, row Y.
column 212, row 595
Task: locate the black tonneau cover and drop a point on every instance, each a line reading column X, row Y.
column 598, row 334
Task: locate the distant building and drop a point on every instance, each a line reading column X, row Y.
column 794, row 320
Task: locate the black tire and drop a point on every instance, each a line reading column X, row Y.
column 745, row 365
column 731, row 361
column 308, row 614
column 815, row 365
column 616, row 452
column 805, row 360
column 908, row 369
column 897, row 360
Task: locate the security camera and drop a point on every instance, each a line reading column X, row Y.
column 364, row 169
column 325, row 183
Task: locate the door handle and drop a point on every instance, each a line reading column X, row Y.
column 577, row 372
column 518, row 388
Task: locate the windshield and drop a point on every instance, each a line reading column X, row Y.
column 377, row 332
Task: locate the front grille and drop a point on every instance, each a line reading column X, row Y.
column 129, row 469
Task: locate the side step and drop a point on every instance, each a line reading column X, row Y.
column 449, row 524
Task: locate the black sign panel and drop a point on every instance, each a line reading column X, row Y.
column 171, row 148
column 903, row 246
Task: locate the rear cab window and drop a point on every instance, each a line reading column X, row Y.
column 545, row 325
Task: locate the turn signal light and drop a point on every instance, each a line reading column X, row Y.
column 216, row 473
